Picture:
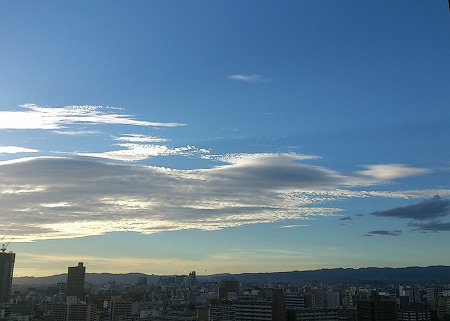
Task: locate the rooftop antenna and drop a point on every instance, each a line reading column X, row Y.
column 4, row 246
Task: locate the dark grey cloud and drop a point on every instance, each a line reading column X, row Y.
column 345, row 218
column 428, row 209
column 384, row 232
column 359, row 215
column 435, row 226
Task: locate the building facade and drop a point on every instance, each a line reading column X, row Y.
column 6, row 275
column 75, row 281
column 377, row 310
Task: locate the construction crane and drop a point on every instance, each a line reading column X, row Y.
column 4, row 246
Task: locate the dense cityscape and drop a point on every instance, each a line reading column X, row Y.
column 187, row 297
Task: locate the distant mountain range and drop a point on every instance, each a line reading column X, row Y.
column 423, row 274
column 430, row 273
column 94, row 278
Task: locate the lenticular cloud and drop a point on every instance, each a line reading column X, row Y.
column 62, row 197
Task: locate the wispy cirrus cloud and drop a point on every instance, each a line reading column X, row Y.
column 77, row 132
column 137, row 152
column 251, row 78
column 244, row 159
column 294, row 225
column 139, row 138
column 33, row 116
column 16, row 150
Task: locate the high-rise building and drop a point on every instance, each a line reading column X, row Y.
column 192, row 279
column 121, row 310
column 57, row 311
column 313, row 314
column 414, row 312
column 71, row 312
column 217, row 310
column 333, row 300
column 6, row 274
column 252, row 310
column 81, row 312
column 75, row 281
column 279, row 312
column 228, row 286
column 295, row 301
column 378, row 308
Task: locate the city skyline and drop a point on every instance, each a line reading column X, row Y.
column 166, row 137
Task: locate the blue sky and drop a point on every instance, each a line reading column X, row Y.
column 169, row 136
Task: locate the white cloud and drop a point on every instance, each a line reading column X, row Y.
column 56, row 205
column 138, row 138
column 294, row 225
column 391, row 171
column 138, row 152
column 20, row 189
column 252, row 78
column 249, row 159
column 77, row 132
column 16, row 150
column 55, row 118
